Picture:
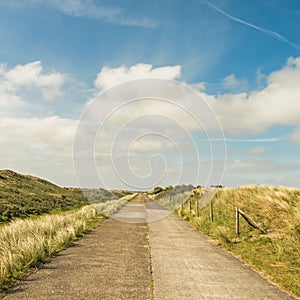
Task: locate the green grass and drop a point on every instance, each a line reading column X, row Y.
column 24, row 195
column 38, row 218
column 277, row 253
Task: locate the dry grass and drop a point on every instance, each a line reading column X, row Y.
column 26, row 243
column 107, row 208
column 277, row 253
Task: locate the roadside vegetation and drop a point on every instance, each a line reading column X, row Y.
column 275, row 251
column 24, row 195
column 26, row 243
column 38, row 219
column 109, row 207
column 171, row 197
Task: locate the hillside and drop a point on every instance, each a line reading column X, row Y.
column 23, row 195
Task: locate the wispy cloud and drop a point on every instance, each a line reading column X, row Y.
column 88, row 9
column 274, row 34
column 258, row 140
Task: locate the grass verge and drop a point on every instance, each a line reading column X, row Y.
column 25, row 244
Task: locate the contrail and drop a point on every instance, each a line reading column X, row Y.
column 274, row 34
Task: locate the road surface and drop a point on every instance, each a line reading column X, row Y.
column 131, row 257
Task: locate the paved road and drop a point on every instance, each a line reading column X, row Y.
column 116, row 259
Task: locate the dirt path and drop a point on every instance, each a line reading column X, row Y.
column 115, row 261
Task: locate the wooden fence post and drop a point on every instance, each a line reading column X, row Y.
column 251, row 222
column 211, row 212
column 237, row 221
column 190, row 205
column 197, row 209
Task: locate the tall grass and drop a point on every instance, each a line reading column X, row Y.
column 277, row 210
column 173, row 201
column 25, row 243
column 173, row 198
column 107, row 208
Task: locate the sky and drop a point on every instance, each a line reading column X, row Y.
column 135, row 94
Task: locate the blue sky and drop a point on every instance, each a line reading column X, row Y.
column 55, row 56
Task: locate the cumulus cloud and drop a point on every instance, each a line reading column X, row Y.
column 31, row 75
column 109, row 77
column 41, row 146
column 23, row 85
column 230, row 82
column 167, row 109
column 255, row 112
column 239, row 113
column 199, row 86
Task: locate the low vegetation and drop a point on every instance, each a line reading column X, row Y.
column 38, row 219
column 172, row 197
column 276, row 253
column 107, row 208
column 24, row 195
column 26, row 243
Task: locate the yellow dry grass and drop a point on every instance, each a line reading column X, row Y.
column 26, row 243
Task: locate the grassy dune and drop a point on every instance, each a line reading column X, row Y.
column 24, row 195
column 277, row 210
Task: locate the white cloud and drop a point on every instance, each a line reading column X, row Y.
column 276, row 104
column 31, row 75
column 230, row 82
column 79, row 8
column 41, row 146
column 260, row 78
column 109, row 77
column 18, row 84
column 240, row 113
column 87, row 9
column 91, row 9
column 200, row 86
